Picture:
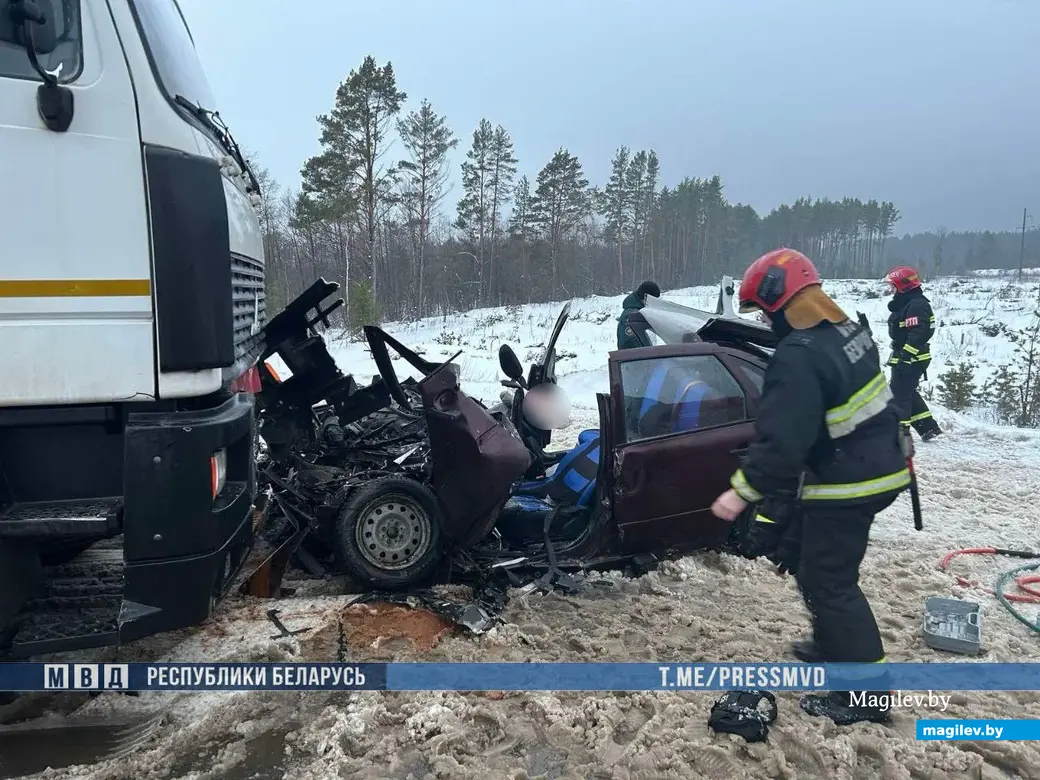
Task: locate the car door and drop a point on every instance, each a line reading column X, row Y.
column 681, row 422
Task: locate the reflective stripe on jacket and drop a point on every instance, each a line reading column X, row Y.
column 826, row 411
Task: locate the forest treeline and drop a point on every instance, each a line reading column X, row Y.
column 371, row 215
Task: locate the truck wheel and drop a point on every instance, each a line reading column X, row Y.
column 389, row 533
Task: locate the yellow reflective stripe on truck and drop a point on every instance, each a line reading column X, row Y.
column 74, row 288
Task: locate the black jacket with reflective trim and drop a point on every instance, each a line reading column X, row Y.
column 825, row 369
column 910, row 327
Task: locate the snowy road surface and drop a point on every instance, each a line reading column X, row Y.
column 980, row 485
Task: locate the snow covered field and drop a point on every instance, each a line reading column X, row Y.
column 980, row 485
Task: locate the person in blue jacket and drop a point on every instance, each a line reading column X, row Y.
column 626, row 337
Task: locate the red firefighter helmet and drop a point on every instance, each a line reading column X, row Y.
column 903, row 279
column 774, row 278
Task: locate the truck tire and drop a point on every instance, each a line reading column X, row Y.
column 389, row 533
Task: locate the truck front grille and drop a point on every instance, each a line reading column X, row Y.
column 248, row 306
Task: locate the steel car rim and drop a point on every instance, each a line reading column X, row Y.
column 393, row 533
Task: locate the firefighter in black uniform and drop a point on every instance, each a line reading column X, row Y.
column 828, row 455
column 910, row 328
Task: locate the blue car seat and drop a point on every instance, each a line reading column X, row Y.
column 671, row 403
column 573, row 483
column 669, row 396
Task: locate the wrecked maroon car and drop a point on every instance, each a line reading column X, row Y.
column 401, row 481
column 673, row 428
column 389, row 476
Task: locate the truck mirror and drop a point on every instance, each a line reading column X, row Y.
column 39, row 17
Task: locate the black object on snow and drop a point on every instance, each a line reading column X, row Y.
column 741, row 713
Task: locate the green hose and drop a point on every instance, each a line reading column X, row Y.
column 1002, row 583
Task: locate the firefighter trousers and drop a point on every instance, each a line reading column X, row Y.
column 834, row 541
column 912, row 408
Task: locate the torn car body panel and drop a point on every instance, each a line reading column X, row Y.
column 327, row 439
column 476, row 459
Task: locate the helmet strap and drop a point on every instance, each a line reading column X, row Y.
column 778, row 323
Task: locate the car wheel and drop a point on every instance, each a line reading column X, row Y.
column 389, row 533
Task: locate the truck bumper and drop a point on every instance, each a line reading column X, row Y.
column 182, row 547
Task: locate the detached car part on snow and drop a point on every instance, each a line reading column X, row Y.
column 393, row 479
column 387, row 476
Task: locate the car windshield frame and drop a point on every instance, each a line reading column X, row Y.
column 557, row 329
column 174, row 60
column 67, row 58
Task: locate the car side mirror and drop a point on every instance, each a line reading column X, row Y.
column 510, row 363
column 38, row 17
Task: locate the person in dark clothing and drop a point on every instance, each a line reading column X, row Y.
column 626, row 337
column 828, row 455
column 910, row 328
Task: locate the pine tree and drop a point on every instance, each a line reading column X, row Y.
column 1027, row 357
column 503, row 171
column 957, row 387
column 474, row 209
column 635, row 185
column 653, row 169
column 561, row 201
column 427, row 138
column 354, row 140
column 521, row 229
column 1003, row 394
column 363, row 308
column 329, row 197
column 614, row 207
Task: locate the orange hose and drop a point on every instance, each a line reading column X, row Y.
column 1031, row 596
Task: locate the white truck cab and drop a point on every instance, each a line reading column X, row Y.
column 131, row 308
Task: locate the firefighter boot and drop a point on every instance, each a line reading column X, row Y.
column 806, row 650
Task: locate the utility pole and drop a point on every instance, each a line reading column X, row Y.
column 1022, row 253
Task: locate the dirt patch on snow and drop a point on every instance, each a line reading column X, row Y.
column 380, row 630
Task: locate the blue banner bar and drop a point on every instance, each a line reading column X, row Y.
column 978, row 729
column 965, row 676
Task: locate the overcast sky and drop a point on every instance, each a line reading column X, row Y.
column 932, row 104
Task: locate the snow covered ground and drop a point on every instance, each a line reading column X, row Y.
column 980, row 485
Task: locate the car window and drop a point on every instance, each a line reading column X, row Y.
column 663, row 396
column 753, row 373
column 65, row 62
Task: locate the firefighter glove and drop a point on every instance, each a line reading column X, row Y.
column 763, row 537
column 769, row 526
column 789, row 549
